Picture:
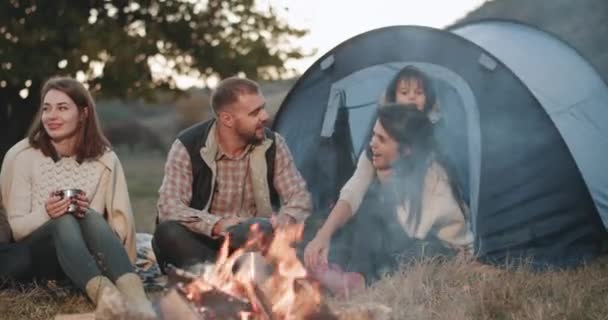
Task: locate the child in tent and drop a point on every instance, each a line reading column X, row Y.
column 409, row 89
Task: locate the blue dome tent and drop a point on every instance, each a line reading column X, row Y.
column 521, row 120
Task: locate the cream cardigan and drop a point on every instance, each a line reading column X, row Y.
column 5, row 229
column 440, row 214
column 24, row 183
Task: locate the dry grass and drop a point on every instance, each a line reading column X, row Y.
column 467, row 290
column 40, row 302
column 455, row 290
column 452, row 290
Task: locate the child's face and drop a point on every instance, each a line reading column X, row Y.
column 410, row 91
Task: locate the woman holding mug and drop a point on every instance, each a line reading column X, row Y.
column 88, row 236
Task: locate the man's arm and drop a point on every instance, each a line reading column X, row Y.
column 175, row 194
column 291, row 187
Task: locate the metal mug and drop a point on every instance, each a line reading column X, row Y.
column 70, row 194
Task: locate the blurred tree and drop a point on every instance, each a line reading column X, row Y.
column 127, row 48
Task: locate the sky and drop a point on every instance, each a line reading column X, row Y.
column 331, row 22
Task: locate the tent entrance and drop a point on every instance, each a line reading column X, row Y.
column 457, row 117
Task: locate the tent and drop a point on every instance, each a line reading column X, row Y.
column 522, row 121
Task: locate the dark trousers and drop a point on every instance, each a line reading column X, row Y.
column 374, row 242
column 176, row 245
column 15, row 261
column 79, row 248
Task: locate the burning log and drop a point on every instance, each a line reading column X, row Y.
column 268, row 284
column 213, row 305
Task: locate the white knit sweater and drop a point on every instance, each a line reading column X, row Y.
column 49, row 176
column 28, row 178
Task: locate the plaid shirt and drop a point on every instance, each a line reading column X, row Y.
column 234, row 190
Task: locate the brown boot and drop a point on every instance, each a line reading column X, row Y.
column 138, row 305
column 107, row 299
column 96, row 285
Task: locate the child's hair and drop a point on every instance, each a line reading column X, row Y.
column 413, row 73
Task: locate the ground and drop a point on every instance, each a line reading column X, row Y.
column 425, row 290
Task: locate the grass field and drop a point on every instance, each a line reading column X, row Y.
column 425, row 290
column 144, row 172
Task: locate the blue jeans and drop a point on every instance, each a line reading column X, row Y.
column 79, row 248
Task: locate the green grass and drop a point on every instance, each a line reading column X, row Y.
column 144, row 172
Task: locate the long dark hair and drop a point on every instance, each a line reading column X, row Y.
column 413, row 131
column 91, row 142
column 412, row 73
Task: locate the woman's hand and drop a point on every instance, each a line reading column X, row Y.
column 56, row 206
column 82, row 202
column 316, row 252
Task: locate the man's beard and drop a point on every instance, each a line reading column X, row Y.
column 250, row 138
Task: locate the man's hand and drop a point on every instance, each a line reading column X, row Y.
column 281, row 220
column 221, row 226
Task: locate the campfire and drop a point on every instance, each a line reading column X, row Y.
column 262, row 280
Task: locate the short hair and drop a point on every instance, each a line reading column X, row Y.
column 91, row 142
column 228, row 91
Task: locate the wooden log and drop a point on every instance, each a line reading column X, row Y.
column 213, row 305
column 79, row 316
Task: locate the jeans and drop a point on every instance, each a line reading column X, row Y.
column 79, row 248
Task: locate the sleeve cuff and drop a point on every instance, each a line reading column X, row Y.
column 300, row 217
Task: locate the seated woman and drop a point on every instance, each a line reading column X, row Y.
column 410, row 87
column 410, row 208
column 89, row 237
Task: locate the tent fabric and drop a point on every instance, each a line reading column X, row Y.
column 520, row 179
column 576, row 99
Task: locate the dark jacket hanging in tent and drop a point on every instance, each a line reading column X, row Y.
column 523, row 132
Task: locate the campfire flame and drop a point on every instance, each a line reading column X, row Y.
column 278, row 288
